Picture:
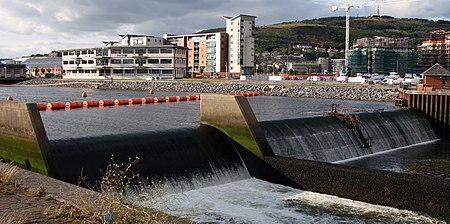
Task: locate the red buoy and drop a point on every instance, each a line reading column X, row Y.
column 56, row 105
column 181, row 98
column 159, row 99
column 41, row 106
column 76, row 104
column 135, row 101
column 91, row 103
column 193, row 97
column 118, row 102
column 148, row 100
column 104, row 103
column 171, row 99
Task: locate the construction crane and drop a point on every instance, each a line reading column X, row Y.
column 347, row 8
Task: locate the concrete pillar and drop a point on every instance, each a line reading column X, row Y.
column 233, row 116
column 424, row 104
column 447, row 117
column 23, row 139
column 433, row 103
column 438, row 105
column 419, row 102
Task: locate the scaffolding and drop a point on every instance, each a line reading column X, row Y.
column 435, row 50
column 383, row 55
column 383, row 60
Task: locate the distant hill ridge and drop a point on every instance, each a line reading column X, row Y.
column 330, row 31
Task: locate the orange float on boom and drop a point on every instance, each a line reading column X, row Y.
column 91, row 103
column 148, row 100
column 76, row 104
column 181, row 98
column 56, row 105
column 104, row 103
column 171, row 99
column 118, row 102
column 135, row 101
column 159, row 99
column 193, row 97
column 41, row 106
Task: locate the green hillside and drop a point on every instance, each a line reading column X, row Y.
column 330, row 32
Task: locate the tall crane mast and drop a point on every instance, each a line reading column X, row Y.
column 347, row 8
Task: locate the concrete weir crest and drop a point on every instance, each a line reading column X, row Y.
column 233, row 116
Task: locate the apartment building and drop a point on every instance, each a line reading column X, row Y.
column 241, row 44
column 435, row 49
column 207, row 52
column 131, row 57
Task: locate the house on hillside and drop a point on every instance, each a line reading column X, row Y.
column 436, row 77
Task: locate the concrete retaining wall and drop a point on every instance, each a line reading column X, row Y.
column 435, row 105
column 404, row 191
column 234, row 117
column 23, row 139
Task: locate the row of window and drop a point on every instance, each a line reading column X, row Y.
column 140, row 41
column 146, row 51
column 125, row 51
column 80, row 52
column 83, row 62
column 127, row 61
column 127, row 71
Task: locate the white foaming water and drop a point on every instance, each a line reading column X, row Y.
column 256, row 201
column 384, row 152
column 197, row 180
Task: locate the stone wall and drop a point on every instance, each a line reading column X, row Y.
column 332, row 90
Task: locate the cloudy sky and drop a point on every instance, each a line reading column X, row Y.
column 39, row 26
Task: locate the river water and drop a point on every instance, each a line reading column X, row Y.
column 249, row 200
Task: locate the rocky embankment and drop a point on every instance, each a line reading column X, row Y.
column 289, row 89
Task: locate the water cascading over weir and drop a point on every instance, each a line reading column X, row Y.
column 328, row 139
column 232, row 145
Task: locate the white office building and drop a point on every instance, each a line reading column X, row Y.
column 241, row 54
column 132, row 57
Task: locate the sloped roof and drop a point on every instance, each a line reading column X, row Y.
column 43, row 62
column 436, row 70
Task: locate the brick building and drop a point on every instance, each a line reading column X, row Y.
column 436, row 77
